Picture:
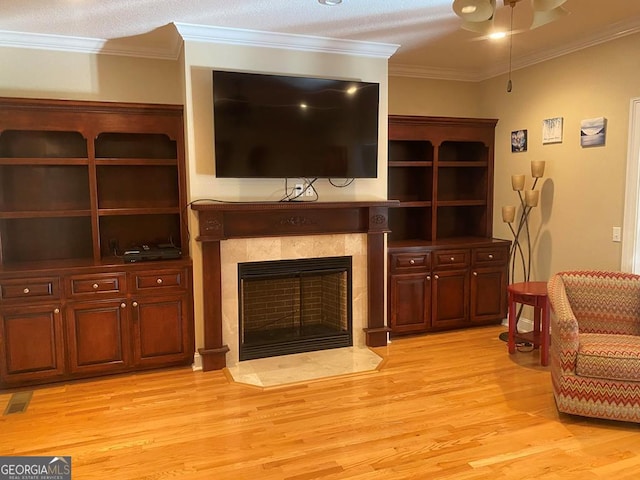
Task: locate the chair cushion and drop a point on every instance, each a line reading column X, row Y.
column 615, row 357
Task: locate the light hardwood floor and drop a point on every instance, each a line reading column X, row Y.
column 451, row 405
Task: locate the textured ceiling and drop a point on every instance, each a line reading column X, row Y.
column 428, row 32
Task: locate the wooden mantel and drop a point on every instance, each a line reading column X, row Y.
column 223, row 221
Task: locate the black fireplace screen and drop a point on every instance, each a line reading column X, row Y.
column 294, row 306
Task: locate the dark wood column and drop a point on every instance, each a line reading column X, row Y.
column 221, row 221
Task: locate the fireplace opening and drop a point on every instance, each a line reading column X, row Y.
column 294, row 306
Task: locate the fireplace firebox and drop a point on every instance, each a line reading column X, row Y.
column 294, row 306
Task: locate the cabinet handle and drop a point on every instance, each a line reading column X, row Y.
column 25, row 291
column 95, row 286
column 135, row 304
column 123, row 305
column 159, row 281
column 475, row 274
column 436, row 277
column 428, row 277
column 453, row 259
column 490, row 256
column 56, row 310
column 412, row 261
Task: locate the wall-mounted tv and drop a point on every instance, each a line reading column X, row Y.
column 275, row 126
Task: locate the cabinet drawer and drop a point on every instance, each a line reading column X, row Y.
column 82, row 285
column 451, row 259
column 159, row 279
column 490, row 256
column 30, row 289
column 410, row 261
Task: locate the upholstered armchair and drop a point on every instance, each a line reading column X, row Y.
column 595, row 344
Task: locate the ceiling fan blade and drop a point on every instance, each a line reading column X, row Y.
column 542, row 17
column 546, row 5
column 474, row 10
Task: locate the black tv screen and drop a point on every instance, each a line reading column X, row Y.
column 275, row 126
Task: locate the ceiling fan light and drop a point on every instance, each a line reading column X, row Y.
column 542, row 17
column 474, row 10
column 544, row 5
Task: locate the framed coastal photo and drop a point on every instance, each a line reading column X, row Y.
column 552, row 130
column 519, row 141
column 593, row 132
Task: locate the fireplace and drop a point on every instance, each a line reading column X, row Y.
column 294, row 306
column 225, row 231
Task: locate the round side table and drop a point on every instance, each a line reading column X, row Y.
column 535, row 295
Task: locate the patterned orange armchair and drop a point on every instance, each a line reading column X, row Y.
column 595, row 344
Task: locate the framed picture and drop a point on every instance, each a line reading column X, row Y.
column 593, row 132
column 552, row 130
column 519, row 141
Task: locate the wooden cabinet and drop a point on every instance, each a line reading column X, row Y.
column 32, row 344
column 410, row 291
column 441, row 172
column 80, row 183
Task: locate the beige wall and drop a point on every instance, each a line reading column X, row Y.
column 34, row 73
column 583, row 189
column 438, row 98
column 582, row 196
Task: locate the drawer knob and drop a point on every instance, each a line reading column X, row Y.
column 436, row 277
column 428, row 277
column 475, row 274
column 135, row 304
column 26, row 290
column 159, row 281
column 56, row 310
column 412, row 261
column 490, row 256
column 123, row 305
column 95, row 286
column 453, row 259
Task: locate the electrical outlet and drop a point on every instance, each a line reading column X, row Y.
column 616, row 236
column 308, row 190
column 298, row 189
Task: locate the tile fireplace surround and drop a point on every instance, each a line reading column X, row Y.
column 239, row 232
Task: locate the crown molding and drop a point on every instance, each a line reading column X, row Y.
column 89, row 45
column 288, row 41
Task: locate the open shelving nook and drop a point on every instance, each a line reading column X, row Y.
column 445, row 269
column 80, row 183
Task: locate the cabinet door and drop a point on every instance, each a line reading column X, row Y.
column 161, row 330
column 451, row 299
column 31, row 344
column 98, row 336
column 488, row 294
column 410, row 302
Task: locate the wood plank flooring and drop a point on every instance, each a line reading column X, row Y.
column 450, row 405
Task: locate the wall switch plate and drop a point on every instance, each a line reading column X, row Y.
column 616, row 236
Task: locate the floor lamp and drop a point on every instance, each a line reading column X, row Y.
column 528, row 200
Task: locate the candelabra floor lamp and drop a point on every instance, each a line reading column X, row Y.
column 520, row 251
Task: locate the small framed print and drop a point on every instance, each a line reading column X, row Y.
column 519, row 141
column 593, row 132
column 552, row 130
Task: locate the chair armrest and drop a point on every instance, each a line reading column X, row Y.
column 564, row 325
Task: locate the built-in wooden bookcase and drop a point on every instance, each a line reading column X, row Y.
column 80, row 183
column 445, row 270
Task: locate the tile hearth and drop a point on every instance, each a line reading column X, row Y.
column 304, row 367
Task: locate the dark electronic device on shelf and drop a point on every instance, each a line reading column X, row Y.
column 146, row 253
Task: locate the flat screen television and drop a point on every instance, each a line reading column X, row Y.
column 275, row 126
